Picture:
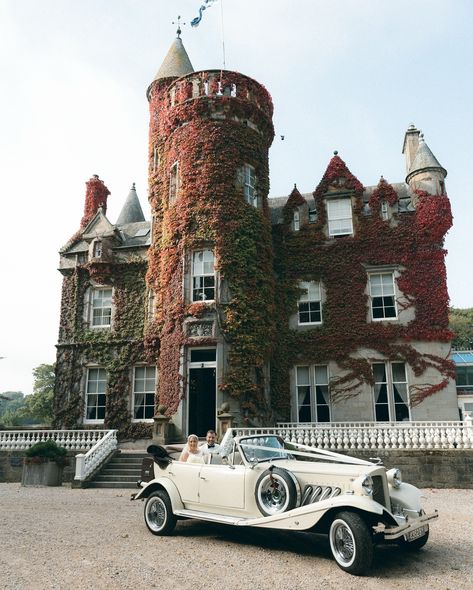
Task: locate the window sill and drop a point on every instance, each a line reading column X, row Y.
column 309, row 323
column 142, row 420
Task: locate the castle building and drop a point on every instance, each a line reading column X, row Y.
column 321, row 307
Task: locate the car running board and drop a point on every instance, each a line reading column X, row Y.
column 211, row 517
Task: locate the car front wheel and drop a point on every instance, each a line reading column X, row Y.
column 351, row 543
column 159, row 517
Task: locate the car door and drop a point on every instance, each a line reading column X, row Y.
column 186, row 478
column 222, row 486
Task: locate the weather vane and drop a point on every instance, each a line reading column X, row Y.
column 178, row 23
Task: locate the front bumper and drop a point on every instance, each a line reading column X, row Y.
column 390, row 533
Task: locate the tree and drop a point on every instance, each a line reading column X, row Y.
column 37, row 408
column 461, row 323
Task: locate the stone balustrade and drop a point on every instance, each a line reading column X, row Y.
column 72, row 440
column 374, row 435
column 88, row 463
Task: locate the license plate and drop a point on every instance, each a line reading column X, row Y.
column 417, row 533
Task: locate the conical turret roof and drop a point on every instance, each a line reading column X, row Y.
column 176, row 63
column 131, row 211
column 424, row 159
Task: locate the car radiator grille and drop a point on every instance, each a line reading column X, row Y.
column 378, row 490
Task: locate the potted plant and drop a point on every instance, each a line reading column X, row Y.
column 43, row 464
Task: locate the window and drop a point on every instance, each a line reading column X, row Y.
column 156, row 158
column 383, row 302
column 144, row 385
column 313, row 398
column 310, row 307
column 391, row 398
column 151, row 304
column 249, row 183
column 465, row 377
column 384, row 211
column 312, row 215
column 101, row 308
column 174, row 182
column 203, row 276
column 97, row 249
column 339, row 214
column 95, row 395
column 296, row 222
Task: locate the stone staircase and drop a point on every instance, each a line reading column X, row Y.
column 122, row 471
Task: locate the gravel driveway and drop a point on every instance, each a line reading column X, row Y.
column 64, row 538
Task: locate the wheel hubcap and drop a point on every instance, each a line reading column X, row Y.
column 343, row 543
column 156, row 514
column 273, row 495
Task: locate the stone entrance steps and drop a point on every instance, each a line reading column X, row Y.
column 122, row 471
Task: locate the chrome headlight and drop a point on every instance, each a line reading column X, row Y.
column 367, row 485
column 394, row 477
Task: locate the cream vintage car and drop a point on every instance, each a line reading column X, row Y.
column 261, row 481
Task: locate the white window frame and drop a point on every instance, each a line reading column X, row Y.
column 97, row 393
column 313, row 384
column 335, row 217
column 102, row 326
column 203, row 276
column 97, row 249
column 384, row 211
column 390, row 386
column 312, row 295
column 174, row 182
column 146, row 392
column 384, row 293
column 249, row 185
column 296, row 220
column 312, row 215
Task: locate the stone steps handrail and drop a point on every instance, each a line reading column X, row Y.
column 88, row 463
column 72, row 440
column 373, row 435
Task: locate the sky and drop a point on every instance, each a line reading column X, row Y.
column 349, row 75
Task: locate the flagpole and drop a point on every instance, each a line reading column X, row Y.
column 223, row 33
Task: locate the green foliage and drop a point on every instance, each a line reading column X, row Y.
column 47, row 450
column 37, row 408
column 461, row 324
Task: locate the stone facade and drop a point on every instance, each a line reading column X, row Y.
column 224, row 303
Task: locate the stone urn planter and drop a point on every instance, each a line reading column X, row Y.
column 43, row 464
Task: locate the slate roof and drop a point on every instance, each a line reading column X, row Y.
column 131, row 211
column 424, row 159
column 176, row 63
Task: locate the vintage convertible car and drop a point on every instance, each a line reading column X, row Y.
column 261, row 481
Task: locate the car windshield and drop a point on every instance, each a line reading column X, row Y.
column 264, row 448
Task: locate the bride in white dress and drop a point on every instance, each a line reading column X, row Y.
column 191, row 452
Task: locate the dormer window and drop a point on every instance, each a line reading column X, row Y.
column 339, row 214
column 249, row 183
column 384, row 211
column 312, row 215
column 97, row 250
column 174, row 182
column 296, row 222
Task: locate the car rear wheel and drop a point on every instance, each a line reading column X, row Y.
column 351, row 543
column 159, row 517
column 275, row 491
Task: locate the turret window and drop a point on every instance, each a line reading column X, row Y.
column 339, row 213
column 249, row 179
column 384, row 211
column 203, row 276
column 174, row 182
column 296, row 221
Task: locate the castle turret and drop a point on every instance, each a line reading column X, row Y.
column 210, row 133
column 424, row 171
column 131, row 211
